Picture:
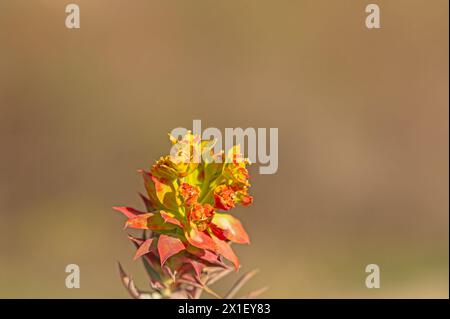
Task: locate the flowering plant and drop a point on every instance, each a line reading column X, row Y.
column 187, row 226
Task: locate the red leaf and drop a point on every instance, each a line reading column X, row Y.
column 144, row 248
column 128, row 211
column 228, row 227
column 224, row 249
column 205, row 255
column 197, row 266
column 168, row 246
column 149, row 221
column 186, row 262
column 199, row 239
column 170, row 218
column 135, row 240
column 140, row 222
column 165, row 193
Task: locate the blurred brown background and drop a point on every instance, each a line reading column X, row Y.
column 363, row 136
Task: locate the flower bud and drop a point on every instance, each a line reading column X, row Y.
column 224, row 197
column 189, row 193
column 201, row 215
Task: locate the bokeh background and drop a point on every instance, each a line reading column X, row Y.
column 363, row 137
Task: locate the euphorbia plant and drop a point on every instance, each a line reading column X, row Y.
column 188, row 228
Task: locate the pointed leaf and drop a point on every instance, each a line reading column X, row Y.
column 205, row 255
column 199, row 239
column 151, row 190
column 150, row 262
column 228, row 227
column 150, row 221
column 140, row 222
column 168, row 246
column 197, row 266
column 170, row 218
column 137, row 241
column 224, row 249
column 128, row 283
column 128, row 211
column 144, row 248
column 148, row 204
